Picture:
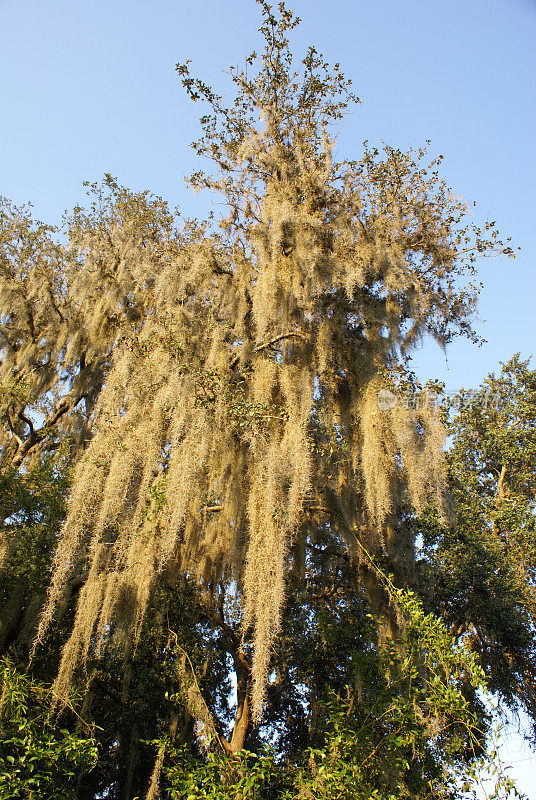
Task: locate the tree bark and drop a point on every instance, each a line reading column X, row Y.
column 11, row 615
column 242, row 717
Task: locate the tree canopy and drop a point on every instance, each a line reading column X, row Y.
column 193, row 443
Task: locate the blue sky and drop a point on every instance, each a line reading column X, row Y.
column 90, row 87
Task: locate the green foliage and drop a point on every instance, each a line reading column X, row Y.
column 248, row 776
column 419, row 730
column 39, row 760
column 480, row 573
column 410, row 735
column 33, row 503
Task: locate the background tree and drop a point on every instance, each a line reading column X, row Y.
column 480, row 572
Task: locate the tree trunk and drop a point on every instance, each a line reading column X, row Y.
column 11, row 615
column 242, row 717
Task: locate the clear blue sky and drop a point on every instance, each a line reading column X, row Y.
column 89, row 87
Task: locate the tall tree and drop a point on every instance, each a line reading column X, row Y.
column 250, row 342
column 216, row 385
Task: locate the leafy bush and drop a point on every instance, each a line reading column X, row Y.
column 38, row 760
